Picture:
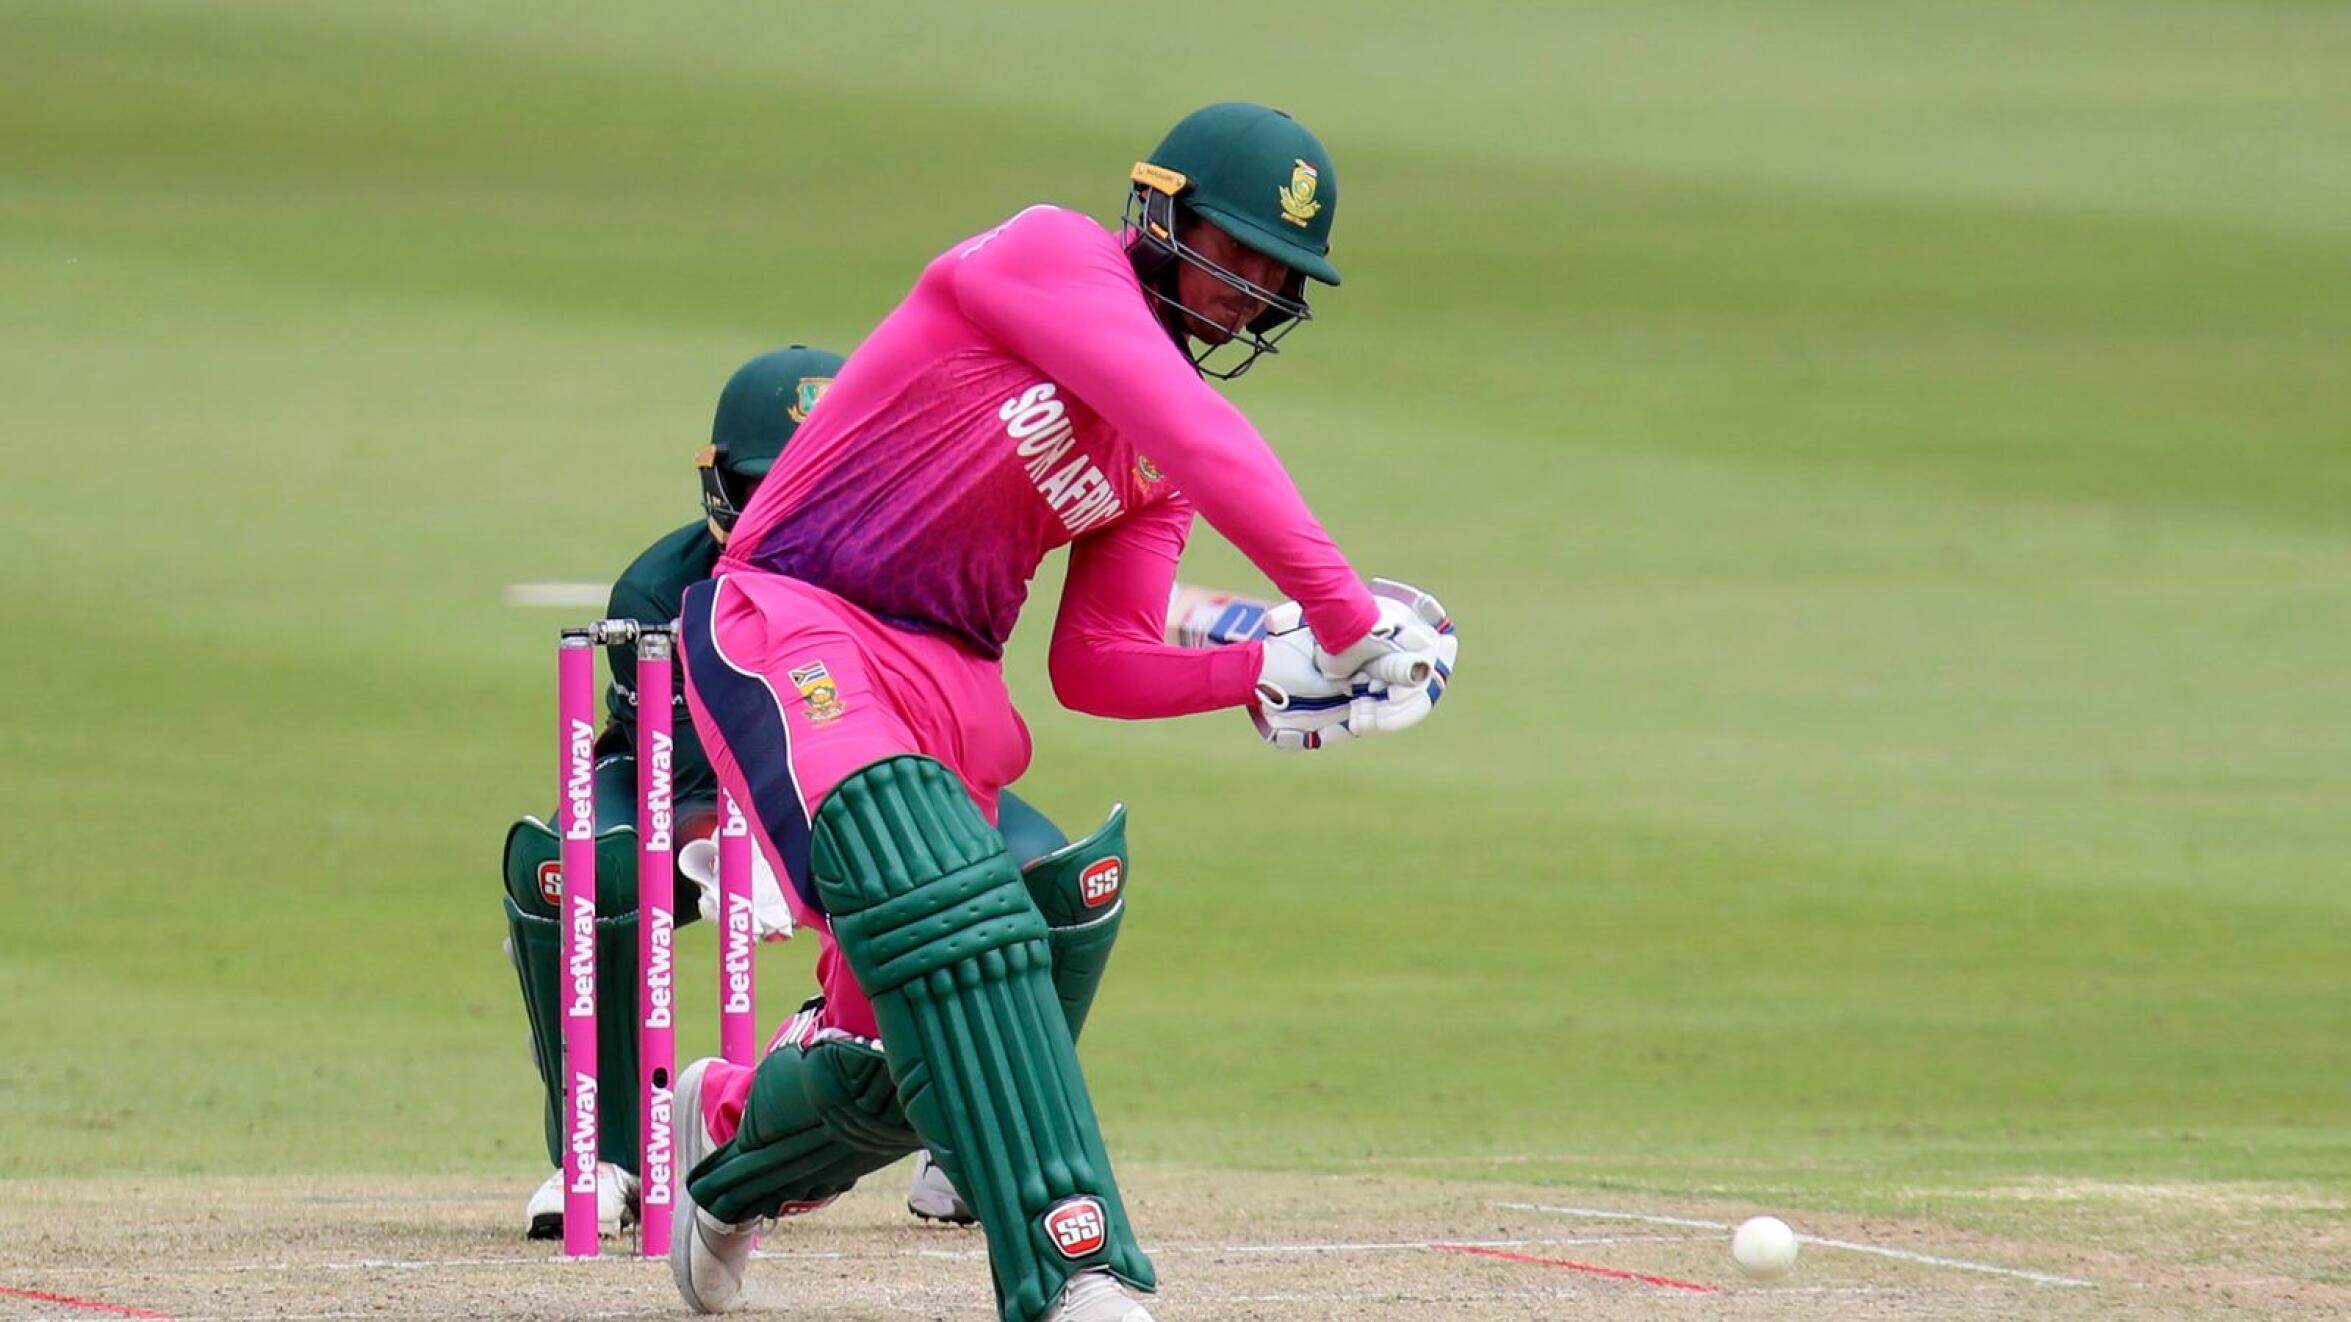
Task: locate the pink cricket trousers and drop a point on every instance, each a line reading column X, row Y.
column 792, row 689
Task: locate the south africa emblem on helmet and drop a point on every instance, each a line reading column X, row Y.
column 1298, row 204
column 811, row 389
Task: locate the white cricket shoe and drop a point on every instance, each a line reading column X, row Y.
column 932, row 1195
column 1094, row 1295
column 616, row 1204
column 706, row 1256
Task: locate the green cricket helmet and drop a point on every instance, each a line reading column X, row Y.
column 1265, row 181
column 764, row 402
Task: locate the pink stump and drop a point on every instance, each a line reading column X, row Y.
column 737, row 1033
column 656, row 1020
column 576, row 729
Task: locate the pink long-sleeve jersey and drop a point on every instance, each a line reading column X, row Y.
column 1023, row 397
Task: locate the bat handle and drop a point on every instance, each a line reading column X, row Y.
column 1399, row 668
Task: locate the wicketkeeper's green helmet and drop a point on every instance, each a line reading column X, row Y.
column 763, row 403
column 1263, row 179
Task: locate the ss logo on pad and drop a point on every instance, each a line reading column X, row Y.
column 1098, row 884
column 1078, row 1227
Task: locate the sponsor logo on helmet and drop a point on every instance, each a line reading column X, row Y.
column 1298, row 204
column 820, row 697
column 1098, row 884
column 551, row 882
column 1167, row 181
column 811, row 389
column 1078, row 1227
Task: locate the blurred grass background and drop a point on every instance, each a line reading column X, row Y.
column 1889, row 463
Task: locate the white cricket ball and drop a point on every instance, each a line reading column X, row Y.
column 1764, row 1248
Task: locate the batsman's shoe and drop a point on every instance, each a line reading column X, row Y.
column 1097, row 1296
column 707, row 1256
column 616, row 1204
column 932, row 1196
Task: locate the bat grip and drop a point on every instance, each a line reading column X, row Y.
column 1399, row 668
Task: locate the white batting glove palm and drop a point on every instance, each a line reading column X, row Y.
column 1298, row 707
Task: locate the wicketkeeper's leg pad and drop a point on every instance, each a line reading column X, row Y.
column 944, row 938
column 1080, row 889
column 1028, row 833
column 534, row 932
column 820, row 1116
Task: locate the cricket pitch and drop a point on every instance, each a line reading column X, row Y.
column 1229, row 1245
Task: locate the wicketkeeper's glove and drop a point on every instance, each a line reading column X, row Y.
column 771, row 915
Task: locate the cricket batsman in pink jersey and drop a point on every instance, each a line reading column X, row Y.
column 1038, row 388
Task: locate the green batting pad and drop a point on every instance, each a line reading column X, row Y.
column 819, row 1118
column 533, row 888
column 934, row 919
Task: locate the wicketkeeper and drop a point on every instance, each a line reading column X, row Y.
column 1038, row 388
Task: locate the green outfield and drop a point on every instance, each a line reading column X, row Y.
column 1890, row 464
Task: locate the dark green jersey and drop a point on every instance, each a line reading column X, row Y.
column 651, row 590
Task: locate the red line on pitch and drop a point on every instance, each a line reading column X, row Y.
column 96, row 1305
column 1570, row 1264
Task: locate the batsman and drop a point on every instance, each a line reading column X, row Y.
column 1039, row 388
column 1076, row 884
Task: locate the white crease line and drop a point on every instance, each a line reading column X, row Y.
column 2042, row 1278
column 1401, row 1246
column 1559, row 1290
column 1320, row 1301
column 840, row 1255
column 1156, row 1250
column 1849, row 1246
column 1649, row 1218
column 558, row 594
column 379, row 1314
column 428, row 1264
